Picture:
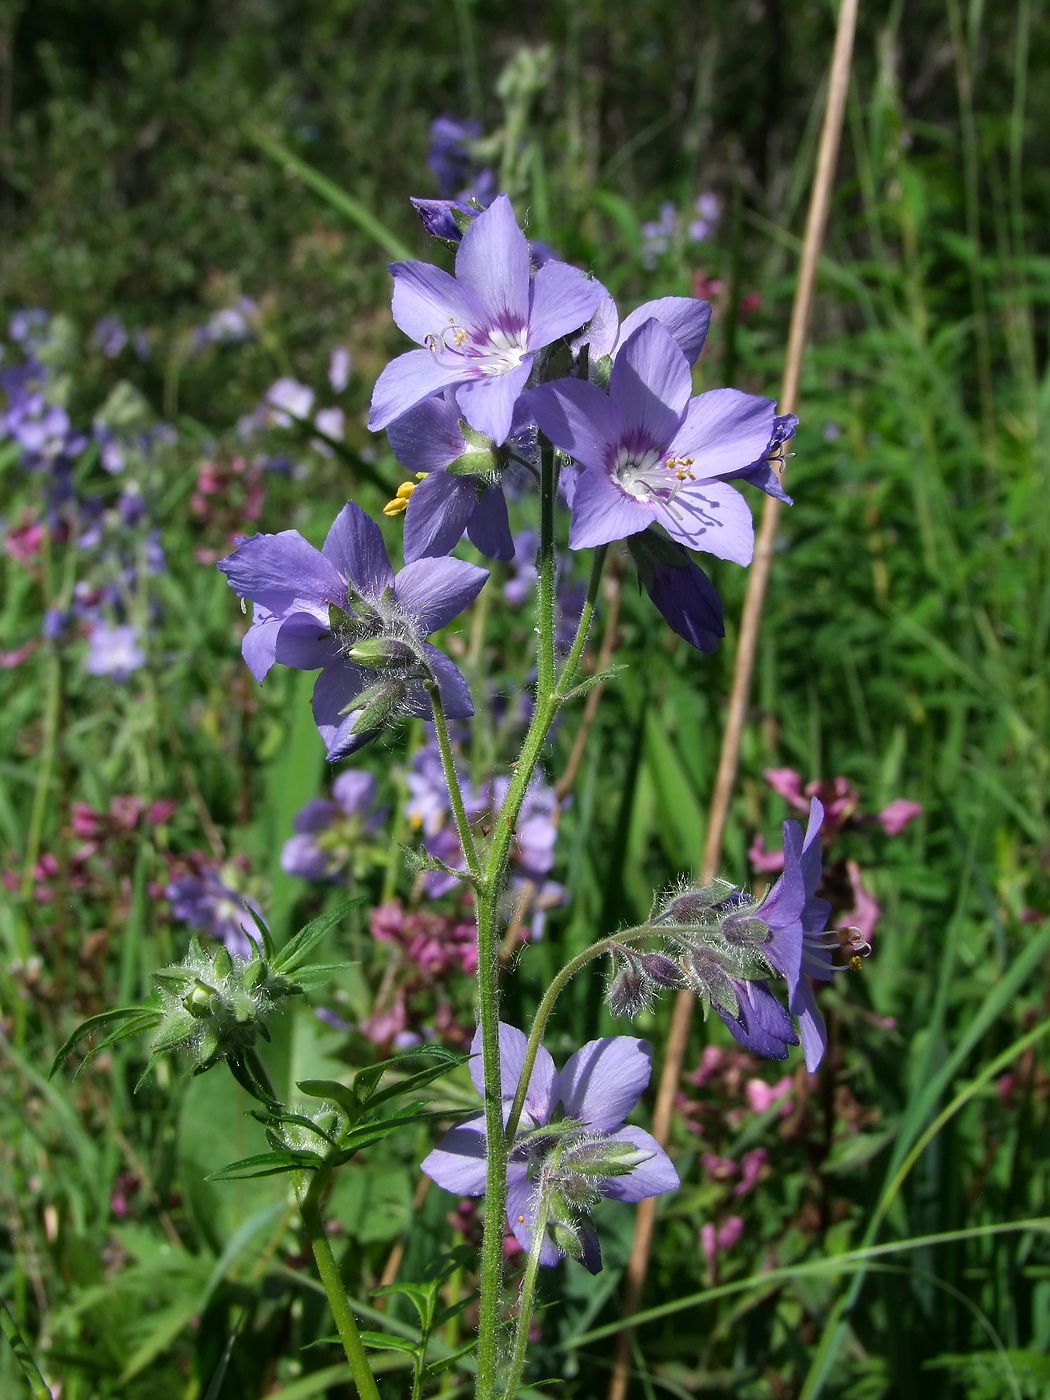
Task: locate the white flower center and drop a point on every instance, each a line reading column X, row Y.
column 651, row 476
column 500, row 351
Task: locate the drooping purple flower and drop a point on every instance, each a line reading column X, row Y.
column 113, row 650
column 589, row 1153
column 762, row 473
column 481, row 328
column 445, row 218
column 685, row 596
column 341, row 609
column 212, row 903
column 429, row 439
column 651, row 453
column 449, row 158
column 329, row 835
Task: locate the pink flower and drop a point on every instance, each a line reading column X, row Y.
column 751, row 1165
column 865, row 912
column 10, row 659
column 382, row 1026
column 896, row 815
column 763, row 860
column 716, row 1238
column 721, row 1168
column 761, row 1095
column 788, row 784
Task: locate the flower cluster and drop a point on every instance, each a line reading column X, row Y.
column 726, row 945
column 571, row 1148
column 212, row 901
column 661, row 235
column 335, row 838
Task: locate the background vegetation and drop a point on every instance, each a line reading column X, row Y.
column 904, row 648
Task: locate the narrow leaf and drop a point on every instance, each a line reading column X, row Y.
column 268, row 1164
column 303, row 943
column 94, row 1023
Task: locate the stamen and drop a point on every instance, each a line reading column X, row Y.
column 400, row 501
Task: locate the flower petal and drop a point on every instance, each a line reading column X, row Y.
column 578, row 418
column 604, row 1080
column 336, row 687
column 685, row 318
column 259, row 647
column 459, row 1162
column 810, row 1024
column 489, row 528
column 521, row 1216
column 405, row 381
column 305, row 643
column 427, row 300
column 762, row 1026
column 562, row 299
column 355, row 547
column 428, row 437
column 439, row 510
column 434, row 591
column 488, row 403
column 455, row 695
column 544, row 1085
column 710, row 516
column 817, row 911
column 602, row 512
column 284, row 573
column 650, row 386
column 651, row 1178
column 493, row 263
column 724, row 430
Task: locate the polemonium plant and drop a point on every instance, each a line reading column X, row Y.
column 523, row 367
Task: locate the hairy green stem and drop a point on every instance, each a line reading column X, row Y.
column 528, row 1295
column 455, row 792
column 572, row 661
column 310, row 1210
column 546, row 1006
column 9, row 1327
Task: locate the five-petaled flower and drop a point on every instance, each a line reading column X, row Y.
column 571, row 1146
column 652, row 453
column 482, row 328
column 341, row 609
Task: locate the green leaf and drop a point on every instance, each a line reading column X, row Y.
column 338, row 1093
column 268, row 1164
column 260, row 923
column 304, row 942
column 416, row 1081
column 94, row 1023
column 386, row 1341
column 421, row 1295
column 366, row 1079
column 368, row 1134
column 436, row 1367
column 299, row 1119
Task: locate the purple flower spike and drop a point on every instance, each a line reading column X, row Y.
column 330, row 835
column 341, row 609
column 588, row 1153
column 481, row 328
column 652, row 454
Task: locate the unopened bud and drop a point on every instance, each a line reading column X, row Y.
column 381, row 653
column 376, row 706
column 221, row 964
column 568, row 1239
column 694, row 903
column 663, row 970
column 629, row 992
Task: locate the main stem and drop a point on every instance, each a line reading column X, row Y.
column 528, row 1296
column 309, row 1208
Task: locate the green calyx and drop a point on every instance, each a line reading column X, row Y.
column 382, row 653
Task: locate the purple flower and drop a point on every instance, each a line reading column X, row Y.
column 114, row 651
column 657, row 237
column 328, row 835
column 110, row 335
column 287, row 399
column 449, row 158
column 445, row 218
column 651, row 453
column 680, row 589
column 686, row 320
column 232, row 324
column 211, row 903
column 460, row 490
column 340, row 366
column 588, row 1153
column 798, row 946
column 481, row 328
column 523, row 568
column 428, row 802
column 708, row 208
column 29, row 327
column 341, row 609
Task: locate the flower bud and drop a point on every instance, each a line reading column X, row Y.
column 694, row 903
column 382, row 653
column 663, row 970
column 629, row 993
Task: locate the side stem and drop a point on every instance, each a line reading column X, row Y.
column 309, row 1208
column 455, row 792
column 528, row 1297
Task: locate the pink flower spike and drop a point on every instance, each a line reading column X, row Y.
column 896, row 815
column 729, row 1233
column 762, row 860
column 761, row 1095
column 787, row 783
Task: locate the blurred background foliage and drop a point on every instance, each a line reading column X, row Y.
column 904, row 648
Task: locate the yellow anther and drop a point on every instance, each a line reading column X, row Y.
column 421, row 475
column 856, row 962
column 400, row 501
column 460, row 337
